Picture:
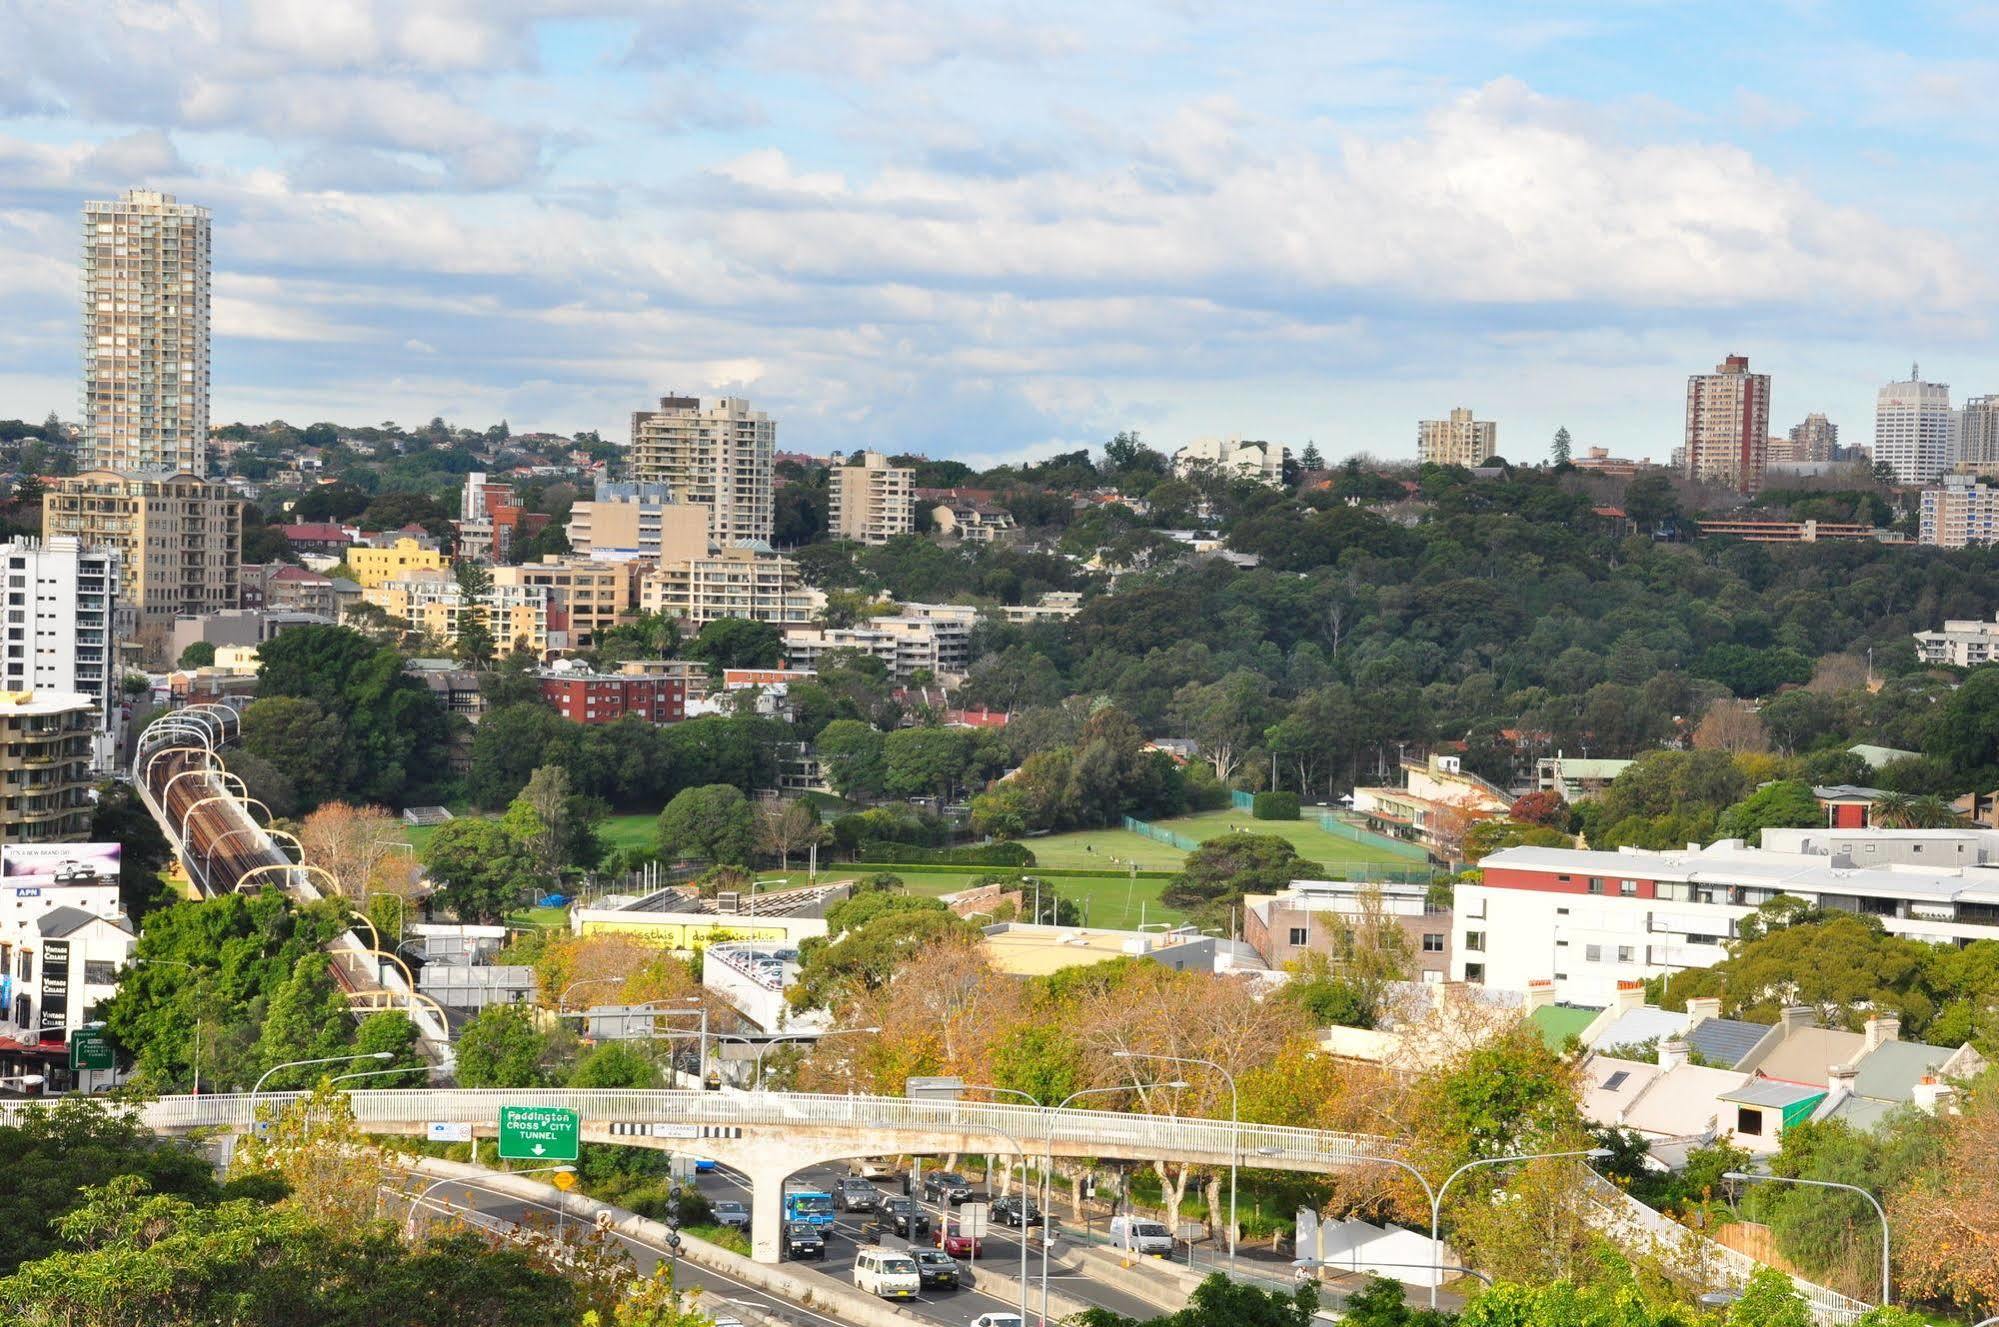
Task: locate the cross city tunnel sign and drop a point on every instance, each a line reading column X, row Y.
column 539, row 1133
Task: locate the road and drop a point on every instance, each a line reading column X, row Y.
column 952, row 1308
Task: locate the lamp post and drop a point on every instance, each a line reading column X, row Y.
column 1875, row 1203
column 1235, row 1124
column 1437, row 1200
column 301, row 1064
column 378, row 1073
column 1048, row 1161
column 562, row 1000
column 409, row 1226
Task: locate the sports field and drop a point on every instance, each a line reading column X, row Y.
column 1116, row 847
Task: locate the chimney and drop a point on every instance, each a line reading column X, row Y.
column 1672, row 1053
column 1797, row 1017
column 1701, row 1008
column 1840, row 1079
column 1630, row 996
column 1880, row 1029
column 1929, row 1094
column 1540, row 994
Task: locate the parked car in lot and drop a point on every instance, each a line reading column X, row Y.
column 856, row 1196
column 954, row 1241
column 729, row 1212
column 803, row 1241
column 1016, row 1212
column 946, row 1186
column 898, row 1216
column 938, row 1269
column 889, row 1273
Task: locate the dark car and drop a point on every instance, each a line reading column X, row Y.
column 936, row 1268
column 803, row 1241
column 901, row 1216
column 1016, row 1212
column 946, row 1186
column 856, row 1196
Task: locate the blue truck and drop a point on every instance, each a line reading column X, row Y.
column 812, row 1206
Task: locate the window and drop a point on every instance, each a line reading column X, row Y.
column 1475, row 941
column 1749, row 1121
column 1593, row 953
column 1616, row 1080
column 1433, row 943
column 1596, row 884
column 27, row 972
column 1300, row 935
column 1626, row 954
column 1627, row 888
column 99, row 973
column 1473, row 972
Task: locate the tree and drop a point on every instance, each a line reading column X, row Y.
column 713, row 822
column 1733, row 727
column 734, row 642
column 364, row 848
column 120, row 817
column 1220, row 1302
column 302, row 742
column 1558, row 450
column 854, row 757
column 499, row 1047
column 1541, row 808
column 199, row 654
column 307, row 1020
column 483, row 872
column 1224, row 717
column 1841, row 964
column 1786, row 803
column 1965, row 732
column 1217, row 875
column 511, row 743
column 1946, row 1216
column 614, row 1064
column 395, row 729
column 918, row 761
column 552, row 823
column 785, row 826
column 1649, row 500
column 1370, row 953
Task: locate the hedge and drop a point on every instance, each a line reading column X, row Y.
column 1274, row 806
column 1053, row 873
column 975, row 854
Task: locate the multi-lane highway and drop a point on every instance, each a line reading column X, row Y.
column 999, row 1250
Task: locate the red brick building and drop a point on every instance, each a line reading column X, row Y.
column 608, row 697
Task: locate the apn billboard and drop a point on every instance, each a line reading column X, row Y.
column 41, row 865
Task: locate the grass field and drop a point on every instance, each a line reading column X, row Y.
column 1115, row 847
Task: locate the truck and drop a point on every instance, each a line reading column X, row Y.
column 812, row 1206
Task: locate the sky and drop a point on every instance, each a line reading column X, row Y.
column 1000, row 230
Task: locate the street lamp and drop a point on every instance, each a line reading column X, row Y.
column 409, row 1226
column 378, row 1073
column 1437, row 1200
column 1235, row 1125
column 1745, row 1178
column 562, row 1000
column 1048, row 1159
column 301, row 1064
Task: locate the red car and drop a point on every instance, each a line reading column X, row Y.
column 955, row 1242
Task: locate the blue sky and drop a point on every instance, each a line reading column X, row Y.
column 1003, row 229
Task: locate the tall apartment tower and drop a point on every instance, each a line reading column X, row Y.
column 872, row 502
column 1459, row 440
column 1728, row 425
column 60, row 635
column 1817, row 439
column 720, row 457
column 1978, row 431
column 1913, row 428
column 145, row 335
column 179, row 542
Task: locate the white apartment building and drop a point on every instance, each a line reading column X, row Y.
column 640, row 519
column 145, row 335
column 61, row 599
column 873, row 502
column 749, row 583
column 1590, row 920
column 1728, row 426
column 1978, row 432
column 1459, row 440
column 1963, row 643
column 1961, row 512
column 434, row 603
column 1254, row 460
column 1913, row 427
column 936, row 641
column 719, row 457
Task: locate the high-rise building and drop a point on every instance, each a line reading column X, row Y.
column 639, row 520
column 1913, row 428
column 1816, row 439
column 720, row 457
column 1978, row 431
column 61, row 599
column 872, row 502
column 1959, row 513
column 179, row 539
column 1459, row 440
column 145, row 334
column 1728, row 425
column 45, row 744
column 737, row 582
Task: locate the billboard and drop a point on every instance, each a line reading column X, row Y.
column 25, row 866
column 55, row 988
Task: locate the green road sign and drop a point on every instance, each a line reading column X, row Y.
column 539, row 1133
column 89, row 1050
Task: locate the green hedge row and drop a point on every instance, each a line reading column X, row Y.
column 1068, row 873
column 1274, row 806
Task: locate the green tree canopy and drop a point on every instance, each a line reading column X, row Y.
column 713, row 822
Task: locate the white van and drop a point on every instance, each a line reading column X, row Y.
column 889, row 1273
column 1141, row 1235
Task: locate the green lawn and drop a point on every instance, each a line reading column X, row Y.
column 1103, row 849
column 1115, row 847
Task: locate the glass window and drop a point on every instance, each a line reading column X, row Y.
column 1627, row 887
column 1299, row 935
column 1475, row 940
column 1749, row 1121
column 1593, row 953
column 1433, row 943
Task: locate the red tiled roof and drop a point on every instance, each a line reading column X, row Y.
column 321, row 531
column 299, row 574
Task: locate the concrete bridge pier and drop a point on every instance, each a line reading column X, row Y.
column 767, row 1175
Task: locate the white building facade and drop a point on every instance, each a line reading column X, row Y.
column 60, row 634
column 1262, row 461
column 1913, row 428
column 1458, row 440
column 1959, row 513
column 720, row 456
column 873, row 502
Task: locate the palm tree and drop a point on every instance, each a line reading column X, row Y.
column 1892, row 811
column 1933, row 812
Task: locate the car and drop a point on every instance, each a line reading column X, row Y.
column 803, row 1241
column 889, row 1273
column 901, row 1216
column 1141, row 1235
column 999, row 1320
column 729, row 1212
column 1016, row 1212
column 946, row 1186
column 704, row 1165
column 871, row 1168
column 69, row 871
column 936, row 1268
column 856, row 1196
column 954, row 1241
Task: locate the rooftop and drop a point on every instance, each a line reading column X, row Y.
column 1558, row 1022
column 1771, row 1092
column 1725, row 1041
column 20, row 704
column 1891, row 1070
column 1729, row 862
